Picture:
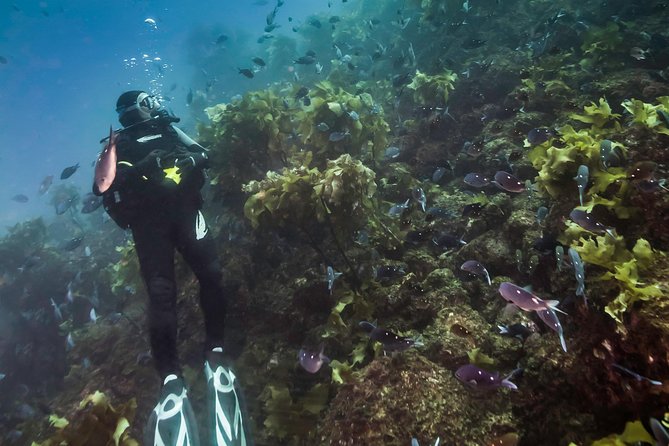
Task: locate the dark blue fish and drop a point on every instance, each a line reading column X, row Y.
column 388, row 272
column 539, row 135
column 472, row 210
column 391, row 342
column 446, row 240
column 438, row 174
column 20, row 198
column 71, row 244
column 476, row 180
column 477, row 378
column 305, row 60
column 418, row 236
column 588, row 222
column 475, row 267
column 508, row 182
column 63, row 204
column 470, row 44
column 302, row 92
column 90, row 203
column 245, row 72
column 439, row 214
column 518, row 330
column 68, row 171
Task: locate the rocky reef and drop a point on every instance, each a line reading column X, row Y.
column 366, row 179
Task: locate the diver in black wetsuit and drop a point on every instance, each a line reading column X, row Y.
column 156, row 194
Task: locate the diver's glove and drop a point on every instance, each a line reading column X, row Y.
column 194, row 160
column 150, row 163
column 149, row 166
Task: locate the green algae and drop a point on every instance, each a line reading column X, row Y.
column 623, row 266
column 95, row 421
column 432, row 89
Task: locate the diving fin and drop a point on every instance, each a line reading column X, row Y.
column 227, row 410
column 172, row 421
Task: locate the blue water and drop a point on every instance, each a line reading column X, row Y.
column 68, row 61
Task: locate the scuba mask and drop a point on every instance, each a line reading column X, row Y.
column 145, row 104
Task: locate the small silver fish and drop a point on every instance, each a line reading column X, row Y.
column 330, row 277
column 519, row 260
column 69, row 296
column 94, row 317
column 392, row 152
column 419, row 195
column 69, row 342
column 582, row 177
column 559, row 256
column 56, row 311
column 579, row 272
column 338, row 136
column 397, row 209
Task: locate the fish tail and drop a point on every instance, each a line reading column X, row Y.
column 367, row 326
column 563, row 343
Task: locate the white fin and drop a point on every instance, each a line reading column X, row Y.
column 552, row 304
column 200, row 226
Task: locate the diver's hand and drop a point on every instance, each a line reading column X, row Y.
column 197, row 160
column 150, row 162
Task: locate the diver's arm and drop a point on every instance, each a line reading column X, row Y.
column 197, row 155
column 146, row 167
column 188, row 141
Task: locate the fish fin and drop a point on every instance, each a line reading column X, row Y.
column 508, row 384
column 503, row 329
column 552, row 304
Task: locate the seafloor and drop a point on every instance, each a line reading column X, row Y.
column 532, row 88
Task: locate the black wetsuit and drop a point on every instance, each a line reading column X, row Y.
column 164, row 215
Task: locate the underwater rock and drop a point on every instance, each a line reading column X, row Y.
column 395, row 399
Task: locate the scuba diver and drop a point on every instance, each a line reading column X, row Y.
column 155, row 192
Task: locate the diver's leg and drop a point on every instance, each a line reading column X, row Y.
column 199, row 251
column 155, row 251
column 172, row 422
column 227, row 411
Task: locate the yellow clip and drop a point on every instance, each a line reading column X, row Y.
column 173, row 174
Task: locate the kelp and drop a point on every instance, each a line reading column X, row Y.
column 95, row 422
